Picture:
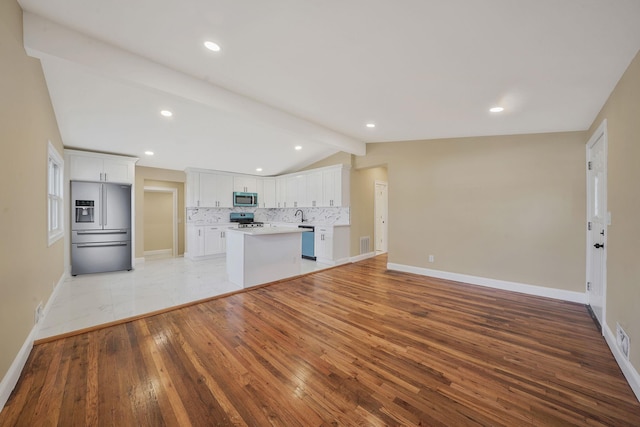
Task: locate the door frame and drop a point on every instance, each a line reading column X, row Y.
column 174, row 221
column 600, row 132
column 375, row 217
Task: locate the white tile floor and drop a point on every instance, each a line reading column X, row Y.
column 92, row 299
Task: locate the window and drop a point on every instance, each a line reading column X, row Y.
column 54, row 194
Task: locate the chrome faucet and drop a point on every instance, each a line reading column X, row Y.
column 301, row 215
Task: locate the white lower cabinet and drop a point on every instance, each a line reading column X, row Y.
column 332, row 244
column 195, row 241
column 213, row 240
column 207, row 240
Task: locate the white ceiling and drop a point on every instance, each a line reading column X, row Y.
column 312, row 73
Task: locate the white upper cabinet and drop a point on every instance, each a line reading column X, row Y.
column 209, row 190
column 296, row 196
column 267, row 193
column 335, row 187
column 323, row 187
column 281, row 192
column 225, row 191
column 86, row 166
column 315, row 196
column 193, row 189
column 245, row 184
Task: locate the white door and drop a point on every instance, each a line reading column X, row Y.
column 381, row 209
column 597, row 219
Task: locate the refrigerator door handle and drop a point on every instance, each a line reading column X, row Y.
column 101, row 245
column 104, row 204
column 102, row 232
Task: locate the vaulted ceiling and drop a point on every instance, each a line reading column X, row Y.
column 314, row 73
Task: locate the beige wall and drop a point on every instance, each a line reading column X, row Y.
column 155, row 177
column 362, row 205
column 506, row 207
column 622, row 112
column 158, row 221
column 28, row 268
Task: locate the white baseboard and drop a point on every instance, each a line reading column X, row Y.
column 54, row 294
column 138, row 261
column 12, row 376
column 629, row 372
column 362, row 257
column 541, row 291
column 159, row 252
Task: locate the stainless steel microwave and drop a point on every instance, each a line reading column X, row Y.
column 249, row 200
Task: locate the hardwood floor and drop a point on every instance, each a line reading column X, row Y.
column 355, row 345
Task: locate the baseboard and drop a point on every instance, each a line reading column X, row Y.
column 12, row 376
column 159, row 252
column 341, row 261
column 139, row 261
column 52, row 297
column 362, row 257
column 629, row 372
column 541, row 291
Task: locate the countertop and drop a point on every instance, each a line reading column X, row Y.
column 267, row 224
column 260, row 231
column 313, row 224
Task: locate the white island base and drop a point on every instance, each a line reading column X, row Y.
column 262, row 255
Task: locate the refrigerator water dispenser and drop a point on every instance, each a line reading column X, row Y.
column 84, row 210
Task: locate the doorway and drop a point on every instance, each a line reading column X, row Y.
column 381, row 210
column 597, row 222
column 160, row 222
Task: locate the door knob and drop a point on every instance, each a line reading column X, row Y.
column 598, row 245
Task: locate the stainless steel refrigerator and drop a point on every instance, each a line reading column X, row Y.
column 100, row 227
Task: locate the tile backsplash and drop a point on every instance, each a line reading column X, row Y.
column 324, row 216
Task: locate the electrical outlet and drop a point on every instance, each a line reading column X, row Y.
column 38, row 313
column 622, row 339
column 431, row 258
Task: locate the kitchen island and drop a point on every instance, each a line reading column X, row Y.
column 262, row 255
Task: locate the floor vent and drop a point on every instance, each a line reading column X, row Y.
column 365, row 245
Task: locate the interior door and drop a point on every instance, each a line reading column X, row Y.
column 381, row 209
column 597, row 223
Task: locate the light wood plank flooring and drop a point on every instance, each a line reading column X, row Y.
column 354, row 345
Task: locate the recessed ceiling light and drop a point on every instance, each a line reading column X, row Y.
column 258, row 169
column 371, row 125
column 298, row 147
column 166, row 113
column 149, row 153
column 496, row 109
column 215, row 47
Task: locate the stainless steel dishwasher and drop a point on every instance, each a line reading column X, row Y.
column 308, row 242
